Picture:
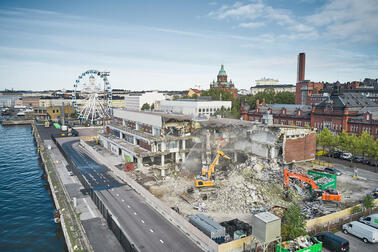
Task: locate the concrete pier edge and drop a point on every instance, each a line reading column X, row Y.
column 82, row 237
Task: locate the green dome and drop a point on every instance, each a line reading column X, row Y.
column 222, row 72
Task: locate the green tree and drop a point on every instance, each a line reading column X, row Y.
column 145, row 106
column 344, row 141
column 368, row 201
column 284, row 97
column 294, row 223
column 175, row 97
column 366, row 143
column 326, row 139
column 194, row 96
column 152, row 107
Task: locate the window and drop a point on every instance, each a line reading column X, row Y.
column 199, row 110
column 298, row 123
column 367, row 117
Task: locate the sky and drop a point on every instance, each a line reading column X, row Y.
column 176, row 45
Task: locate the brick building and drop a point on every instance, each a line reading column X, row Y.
column 304, row 91
column 223, row 84
column 352, row 112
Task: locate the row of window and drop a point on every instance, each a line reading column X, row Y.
column 208, row 110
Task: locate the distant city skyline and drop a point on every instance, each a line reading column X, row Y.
column 176, row 45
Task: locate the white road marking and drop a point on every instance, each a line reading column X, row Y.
column 117, row 194
column 142, row 221
column 135, row 213
column 112, row 189
column 151, row 230
column 123, row 200
column 90, row 210
column 128, row 206
column 161, row 241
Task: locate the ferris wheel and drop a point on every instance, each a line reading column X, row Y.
column 96, row 96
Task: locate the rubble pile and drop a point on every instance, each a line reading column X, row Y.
column 252, row 184
column 314, row 209
column 299, row 243
column 324, row 180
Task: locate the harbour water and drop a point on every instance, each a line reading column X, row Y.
column 26, row 208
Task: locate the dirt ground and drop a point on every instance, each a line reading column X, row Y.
column 255, row 184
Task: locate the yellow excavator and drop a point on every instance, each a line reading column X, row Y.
column 207, row 176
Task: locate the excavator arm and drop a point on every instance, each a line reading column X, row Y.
column 214, row 163
column 299, row 176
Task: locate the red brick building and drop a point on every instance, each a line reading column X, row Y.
column 351, row 112
column 223, row 84
column 305, row 89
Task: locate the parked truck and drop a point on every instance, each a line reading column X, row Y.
column 371, row 220
column 362, row 231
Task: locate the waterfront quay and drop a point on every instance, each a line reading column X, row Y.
column 83, row 226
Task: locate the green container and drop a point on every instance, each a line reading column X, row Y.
column 57, row 125
column 314, row 248
column 318, row 174
column 331, row 184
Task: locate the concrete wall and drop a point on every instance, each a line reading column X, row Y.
column 140, row 117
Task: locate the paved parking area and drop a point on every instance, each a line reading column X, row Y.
column 356, row 244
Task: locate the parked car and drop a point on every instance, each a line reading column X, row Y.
column 346, row 156
column 357, row 159
column 332, row 171
column 373, row 162
column 333, row 242
column 362, row 231
column 371, row 220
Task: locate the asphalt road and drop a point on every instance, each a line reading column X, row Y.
column 147, row 229
column 346, row 163
column 356, row 244
column 97, row 175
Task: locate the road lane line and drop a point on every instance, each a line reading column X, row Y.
column 135, row 213
column 161, row 241
column 142, row 221
column 128, row 206
column 123, row 200
column 151, row 230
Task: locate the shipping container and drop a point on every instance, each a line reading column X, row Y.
column 209, row 227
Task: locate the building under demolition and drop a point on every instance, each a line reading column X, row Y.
column 163, row 141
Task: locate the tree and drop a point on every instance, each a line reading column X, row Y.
column 175, row 97
column 152, row 107
column 366, row 143
column 294, row 223
column 368, row 201
column 284, row 97
column 326, row 138
column 145, row 106
column 344, row 141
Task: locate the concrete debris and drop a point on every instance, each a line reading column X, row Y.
column 299, row 243
column 324, row 180
column 314, row 209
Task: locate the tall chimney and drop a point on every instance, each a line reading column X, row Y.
column 301, row 67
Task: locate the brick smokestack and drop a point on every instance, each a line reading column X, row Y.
column 301, row 67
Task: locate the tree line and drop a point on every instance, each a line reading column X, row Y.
column 363, row 145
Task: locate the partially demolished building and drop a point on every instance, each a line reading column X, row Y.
column 163, row 140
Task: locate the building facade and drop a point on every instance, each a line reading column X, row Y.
column 157, row 140
column 352, row 112
column 277, row 88
column 135, row 101
column 223, row 84
column 305, row 89
column 192, row 107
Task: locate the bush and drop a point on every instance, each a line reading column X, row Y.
column 294, row 224
column 356, row 209
column 368, row 201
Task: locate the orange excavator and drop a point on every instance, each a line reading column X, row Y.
column 328, row 194
column 207, row 176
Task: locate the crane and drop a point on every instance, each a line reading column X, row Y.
column 203, row 180
column 328, row 194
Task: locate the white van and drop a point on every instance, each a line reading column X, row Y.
column 371, row 220
column 361, row 230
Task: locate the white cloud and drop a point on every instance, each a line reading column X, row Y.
column 353, row 20
column 265, row 14
column 251, row 24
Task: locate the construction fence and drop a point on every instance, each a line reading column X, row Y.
column 336, row 220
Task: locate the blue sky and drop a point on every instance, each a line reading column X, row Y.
column 175, row 45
